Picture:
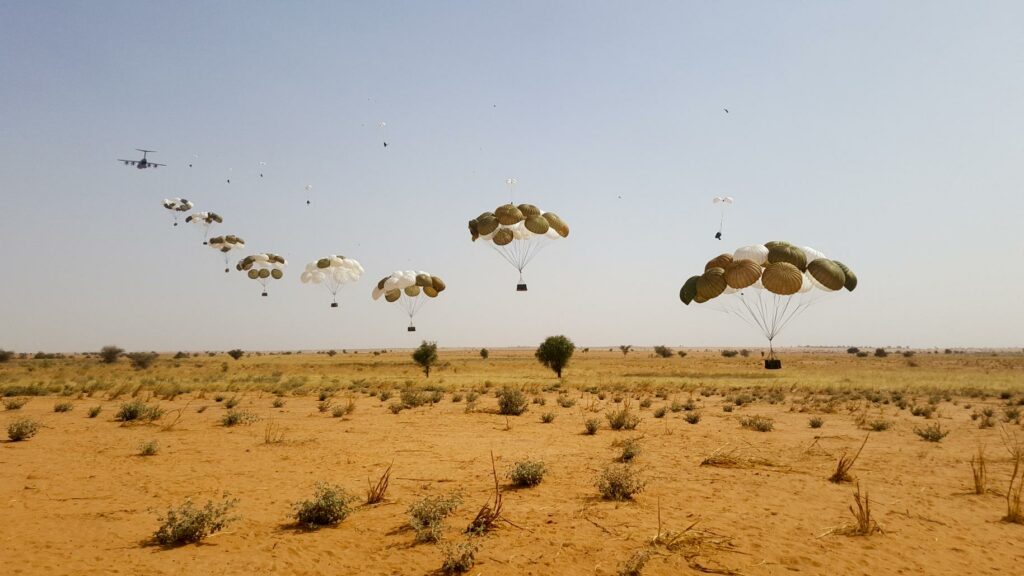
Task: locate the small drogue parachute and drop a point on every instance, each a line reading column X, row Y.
column 768, row 285
column 226, row 244
column 177, row 206
column 262, row 268
column 309, row 188
column 204, row 221
column 409, row 290
column 518, row 233
column 332, row 272
column 722, row 201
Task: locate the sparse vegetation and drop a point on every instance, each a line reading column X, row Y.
column 845, row 463
column 511, row 402
column 22, row 429
column 235, row 417
column 591, row 425
column 188, row 524
column 484, row 353
column 328, row 507
column 692, row 417
column 630, row 449
column 142, row 360
column 14, row 403
column 757, row 423
column 932, row 433
column 60, row 407
column 634, row 565
column 427, row 515
column 137, row 410
column 547, row 417
column 149, row 448
column 663, row 351
column 110, row 354
column 619, row 482
column 527, row 473
column 95, row 411
column 235, row 354
column 622, row 418
column 816, row 422
column 979, row 470
column 375, row 492
column 459, row 558
column 730, row 353
column 626, row 349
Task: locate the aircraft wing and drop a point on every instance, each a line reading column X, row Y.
column 127, row 162
column 154, row 164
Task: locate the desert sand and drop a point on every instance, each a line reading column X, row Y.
column 77, row 498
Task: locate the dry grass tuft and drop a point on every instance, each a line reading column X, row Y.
column 1014, row 512
column 726, row 457
column 634, row 565
column 375, row 493
column 490, row 513
column 273, row 433
column 980, row 471
column 845, row 463
column 865, row 524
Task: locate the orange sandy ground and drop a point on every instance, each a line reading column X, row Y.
column 77, row 499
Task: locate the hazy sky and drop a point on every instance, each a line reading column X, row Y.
column 890, row 135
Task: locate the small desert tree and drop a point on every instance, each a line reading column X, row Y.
column 110, row 354
column 236, row 353
column 5, row 355
column 142, row 360
column 484, row 353
column 663, row 351
column 626, row 349
column 555, row 353
column 425, row 356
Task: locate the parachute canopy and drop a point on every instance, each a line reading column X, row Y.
column 518, row 233
column 409, row 289
column 262, row 268
column 177, row 206
column 226, row 244
column 204, row 220
column 767, row 285
column 332, row 272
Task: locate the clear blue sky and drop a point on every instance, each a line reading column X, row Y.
column 887, row 134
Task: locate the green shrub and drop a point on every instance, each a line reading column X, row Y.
column 458, row 558
column 148, row 448
column 630, row 449
column 527, row 473
column 565, row 402
column 187, row 524
column 925, row 411
column 511, row 402
column 278, row 403
column 623, row 418
column 932, row 433
column 816, row 422
column 619, row 482
column 591, row 425
column 880, row 425
column 427, row 516
column 14, row 403
column 138, row 410
column 22, row 429
column 412, row 397
column 692, row 417
column 659, row 412
column 328, row 507
column 663, row 351
column 547, row 417
column 95, row 411
column 757, row 423
column 142, row 360
column 238, row 417
column 110, row 354
column 730, row 353
column 235, row 354
column 555, row 353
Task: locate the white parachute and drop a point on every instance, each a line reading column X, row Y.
column 721, row 201
column 332, row 273
column 177, row 206
column 204, row 221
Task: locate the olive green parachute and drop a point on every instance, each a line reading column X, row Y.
column 177, row 206
column 518, row 233
column 226, row 244
column 262, row 267
column 409, row 289
column 767, row 285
